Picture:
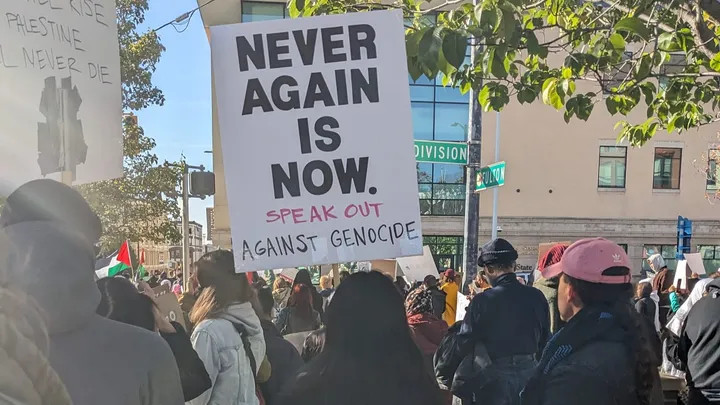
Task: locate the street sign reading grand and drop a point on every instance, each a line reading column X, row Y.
column 491, row 176
column 441, row 152
column 316, row 132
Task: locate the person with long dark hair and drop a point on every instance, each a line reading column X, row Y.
column 303, row 277
column 603, row 354
column 121, row 301
column 369, row 356
column 228, row 335
column 299, row 315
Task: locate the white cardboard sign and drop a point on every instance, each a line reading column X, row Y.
column 60, row 92
column 416, row 268
column 316, row 133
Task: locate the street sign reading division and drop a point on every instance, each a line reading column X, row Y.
column 441, row 152
column 491, row 176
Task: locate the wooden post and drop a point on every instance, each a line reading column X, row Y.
column 336, row 275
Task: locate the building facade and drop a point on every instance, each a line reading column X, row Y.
column 563, row 181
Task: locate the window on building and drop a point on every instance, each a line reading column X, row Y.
column 624, row 246
column 446, row 250
column 713, row 170
column 711, row 257
column 675, row 65
column 611, row 170
column 619, row 74
column 439, row 113
column 666, row 173
column 257, row 11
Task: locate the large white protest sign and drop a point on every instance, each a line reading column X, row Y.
column 316, row 134
column 416, row 268
column 60, row 93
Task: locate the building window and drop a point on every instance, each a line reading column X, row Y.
column 713, row 171
column 624, row 246
column 439, row 113
column 711, row 257
column 257, row 11
column 666, row 173
column 446, row 250
column 611, row 170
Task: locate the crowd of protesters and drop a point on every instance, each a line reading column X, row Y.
column 581, row 334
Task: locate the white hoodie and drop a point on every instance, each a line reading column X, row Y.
column 220, row 347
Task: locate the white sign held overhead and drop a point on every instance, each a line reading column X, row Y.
column 416, row 268
column 316, row 131
column 60, row 92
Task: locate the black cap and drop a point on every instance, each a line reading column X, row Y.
column 498, row 251
column 49, row 200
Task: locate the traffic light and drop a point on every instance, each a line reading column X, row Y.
column 202, row 183
column 684, row 236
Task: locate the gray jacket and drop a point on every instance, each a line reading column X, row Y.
column 99, row 360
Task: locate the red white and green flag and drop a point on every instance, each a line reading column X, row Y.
column 141, row 272
column 118, row 263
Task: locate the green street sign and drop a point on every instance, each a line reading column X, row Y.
column 441, row 152
column 491, row 176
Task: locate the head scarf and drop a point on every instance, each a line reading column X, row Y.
column 656, row 263
column 419, row 301
column 551, row 257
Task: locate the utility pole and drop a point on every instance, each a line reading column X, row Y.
column 494, row 231
column 186, row 220
column 185, row 228
column 472, row 199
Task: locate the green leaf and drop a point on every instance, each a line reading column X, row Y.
column 497, row 61
column 413, row 68
column 550, row 94
column 611, row 105
column 633, row 25
column 429, row 51
column 454, row 47
column 715, row 62
column 642, row 68
column 484, row 97
column 412, row 41
column 617, row 41
column 566, row 73
column 648, row 90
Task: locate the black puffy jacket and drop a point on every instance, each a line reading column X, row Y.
column 284, row 360
column 599, row 373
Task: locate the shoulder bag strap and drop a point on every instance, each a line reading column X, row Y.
column 248, row 350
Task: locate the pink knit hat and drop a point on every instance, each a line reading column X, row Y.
column 587, row 259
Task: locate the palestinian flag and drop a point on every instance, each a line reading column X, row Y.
column 141, row 274
column 117, row 263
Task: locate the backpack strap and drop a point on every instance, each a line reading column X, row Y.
column 248, row 350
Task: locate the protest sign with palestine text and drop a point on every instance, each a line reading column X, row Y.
column 60, row 91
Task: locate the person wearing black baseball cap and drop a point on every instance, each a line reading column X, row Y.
column 512, row 321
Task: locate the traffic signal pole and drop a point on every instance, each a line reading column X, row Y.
column 472, row 199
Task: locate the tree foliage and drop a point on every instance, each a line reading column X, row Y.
column 142, row 205
column 660, row 56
